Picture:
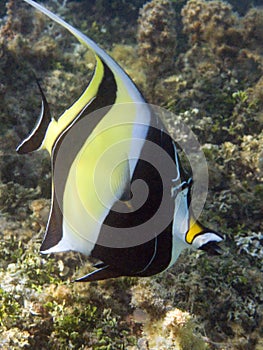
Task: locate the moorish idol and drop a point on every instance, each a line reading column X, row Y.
column 119, row 192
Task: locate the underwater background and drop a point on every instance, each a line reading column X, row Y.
column 202, row 60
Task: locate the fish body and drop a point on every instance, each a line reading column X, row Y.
column 107, row 142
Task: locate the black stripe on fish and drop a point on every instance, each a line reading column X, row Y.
column 154, row 255
column 105, row 97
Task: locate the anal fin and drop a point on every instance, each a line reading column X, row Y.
column 103, row 273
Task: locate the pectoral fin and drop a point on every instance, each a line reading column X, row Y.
column 121, row 184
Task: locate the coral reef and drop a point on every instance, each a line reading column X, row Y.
column 103, row 20
column 253, row 29
column 164, row 326
column 214, row 83
column 208, row 21
column 156, row 39
column 175, row 331
column 243, row 6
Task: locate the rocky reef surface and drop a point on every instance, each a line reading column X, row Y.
column 203, row 61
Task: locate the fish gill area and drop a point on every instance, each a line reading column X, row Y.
column 201, row 60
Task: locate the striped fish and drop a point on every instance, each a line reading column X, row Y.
column 119, row 192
